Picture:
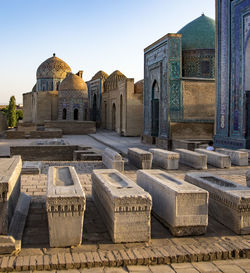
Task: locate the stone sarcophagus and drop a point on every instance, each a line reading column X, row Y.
column 124, row 206
column 216, row 159
column 166, row 159
column 10, row 170
column 65, row 205
column 238, row 158
column 229, row 202
column 140, row 158
column 192, row 159
column 112, row 160
column 181, row 206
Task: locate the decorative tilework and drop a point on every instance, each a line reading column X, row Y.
column 175, row 70
column 233, row 24
column 193, row 63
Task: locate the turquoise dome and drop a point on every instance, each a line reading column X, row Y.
column 199, row 34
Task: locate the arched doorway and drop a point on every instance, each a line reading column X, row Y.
column 85, row 114
column 64, row 113
column 155, row 109
column 76, row 114
column 94, row 108
column 113, row 117
column 121, row 115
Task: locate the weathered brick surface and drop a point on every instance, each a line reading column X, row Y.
column 4, row 263
column 219, row 242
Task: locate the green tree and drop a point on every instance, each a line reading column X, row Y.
column 5, row 111
column 19, row 114
column 12, row 120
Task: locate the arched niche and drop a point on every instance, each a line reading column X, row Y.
column 155, row 109
column 247, row 65
column 64, row 113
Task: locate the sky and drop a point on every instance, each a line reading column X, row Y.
column 89, row 35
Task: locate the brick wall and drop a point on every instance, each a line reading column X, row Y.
column 73, row 127
column 199, row 99
column 44, row 152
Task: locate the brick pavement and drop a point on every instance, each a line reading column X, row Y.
column 203, row 253
column 98, row 250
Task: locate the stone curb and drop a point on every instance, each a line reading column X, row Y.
column 129, row 256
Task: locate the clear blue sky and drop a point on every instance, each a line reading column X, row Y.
column 89, row 35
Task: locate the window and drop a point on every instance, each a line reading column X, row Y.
column 205, row 68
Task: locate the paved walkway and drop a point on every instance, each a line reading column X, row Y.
column 118, row 143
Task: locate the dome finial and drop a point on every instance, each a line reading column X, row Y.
column 203, row 14
column 54, row 54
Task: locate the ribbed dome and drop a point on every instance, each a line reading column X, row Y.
column 100, row 75
column 199, row 34
column 139, row 86
column 73, row 82
column 53, row 68
column 112, row 80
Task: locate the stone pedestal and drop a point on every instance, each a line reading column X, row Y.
column 216, row 159
column 112, row 160
column 165, row 159
column 124, row 206
column 229, row 202
column 192, row 159
column 140, row 158
column 181, row 206
column 65, row 207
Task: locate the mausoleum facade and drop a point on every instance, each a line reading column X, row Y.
column 233, row 74
column 179, row 84
column 57, row 95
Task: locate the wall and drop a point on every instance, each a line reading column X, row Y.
column 47, row 133
column 232, row 35
column 47, row 106
column 71, row 100
column 198, row 63
column 44, row 152
column 162, row 65
column 129, row 117
column 13, row 134
column 3, row 123
column 199, row 99
column 73, row 127
column 192, row 130
column 40, row 106
column 27, row 107
column 27, row 127
column 95, row 88
column 134, row 112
